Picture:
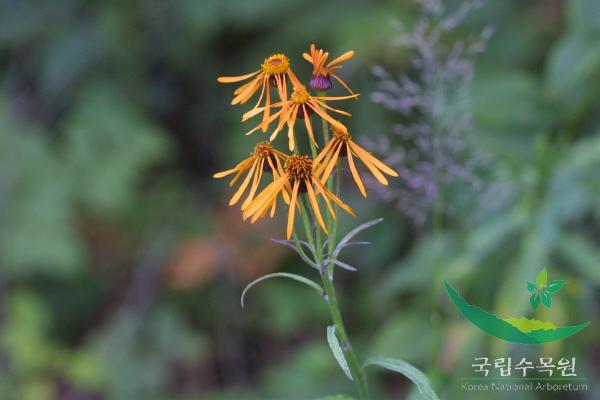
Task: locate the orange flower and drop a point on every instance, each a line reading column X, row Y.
column 301, row 104
column 340, row 145
column 263, row 158
column 321, row 72
column 274, row 70
column 299, row 178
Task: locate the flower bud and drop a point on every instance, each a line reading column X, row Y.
column 320, row 82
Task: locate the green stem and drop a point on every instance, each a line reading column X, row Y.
column 353, row 363
column 315, row 239
column 331, row 298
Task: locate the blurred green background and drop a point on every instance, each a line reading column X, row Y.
column 121, row 264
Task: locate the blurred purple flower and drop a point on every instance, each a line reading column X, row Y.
column 430, row 152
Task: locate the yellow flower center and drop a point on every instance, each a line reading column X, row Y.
column 276, row 64
column 340, row 134
column 300, row 95
column 298, row 167
column 263, row 150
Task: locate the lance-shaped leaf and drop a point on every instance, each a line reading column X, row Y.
column 541, row 279
column 339, row 264
column 295, row 277
column 353, row 233
column 297, row 247
column 555, row 286
column 337, row 351
column 409, row 371
column 531, row 286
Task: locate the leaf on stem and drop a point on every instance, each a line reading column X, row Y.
column 353, row 233
column 409, row 371
column 296, row 247
column 338, row 353
column 339, row 263
column 355, row 243
column 295, row 277
column 531, row 286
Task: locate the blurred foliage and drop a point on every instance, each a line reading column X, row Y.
column 121, row 268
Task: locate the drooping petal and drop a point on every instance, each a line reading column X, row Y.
column 333, row 197
column 291, row 122
column 318, row 191
column 329, row 168
column 264, row 197
column 315, row 205
column 350, row 96
column 255, row 183
column 342, row 82
column 374, row 171
column 248, row 92
column 225, row 173
column 292, row 210
column 354, row 172
column 308, row 124
column 243, row 186
column 323, row 153
column 373, row 160
column 323, row 104
column 266, row 115
column 233, row 79
column 315, row 107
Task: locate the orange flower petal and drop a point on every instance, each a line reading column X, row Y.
column 233, row 79
column 315, row 205
column 374, row 160
column 243, row 186
column 354, row 172
column 346, row 56
column 292, row 210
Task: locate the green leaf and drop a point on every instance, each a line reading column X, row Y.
column 336, row 397
column 408, row 370
column 555, row 286
column 295, row 277
column 531, row 286
column 338, row 353
column 535, row 301
column 546, row 299
column 542, row 278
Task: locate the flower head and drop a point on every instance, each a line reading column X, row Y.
column 340, row 145
column 264, row 158
column 275, row 70
column 301, row 104
column 299, row 177
column 322, row 72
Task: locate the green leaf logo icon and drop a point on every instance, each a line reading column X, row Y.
column 541, row 291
